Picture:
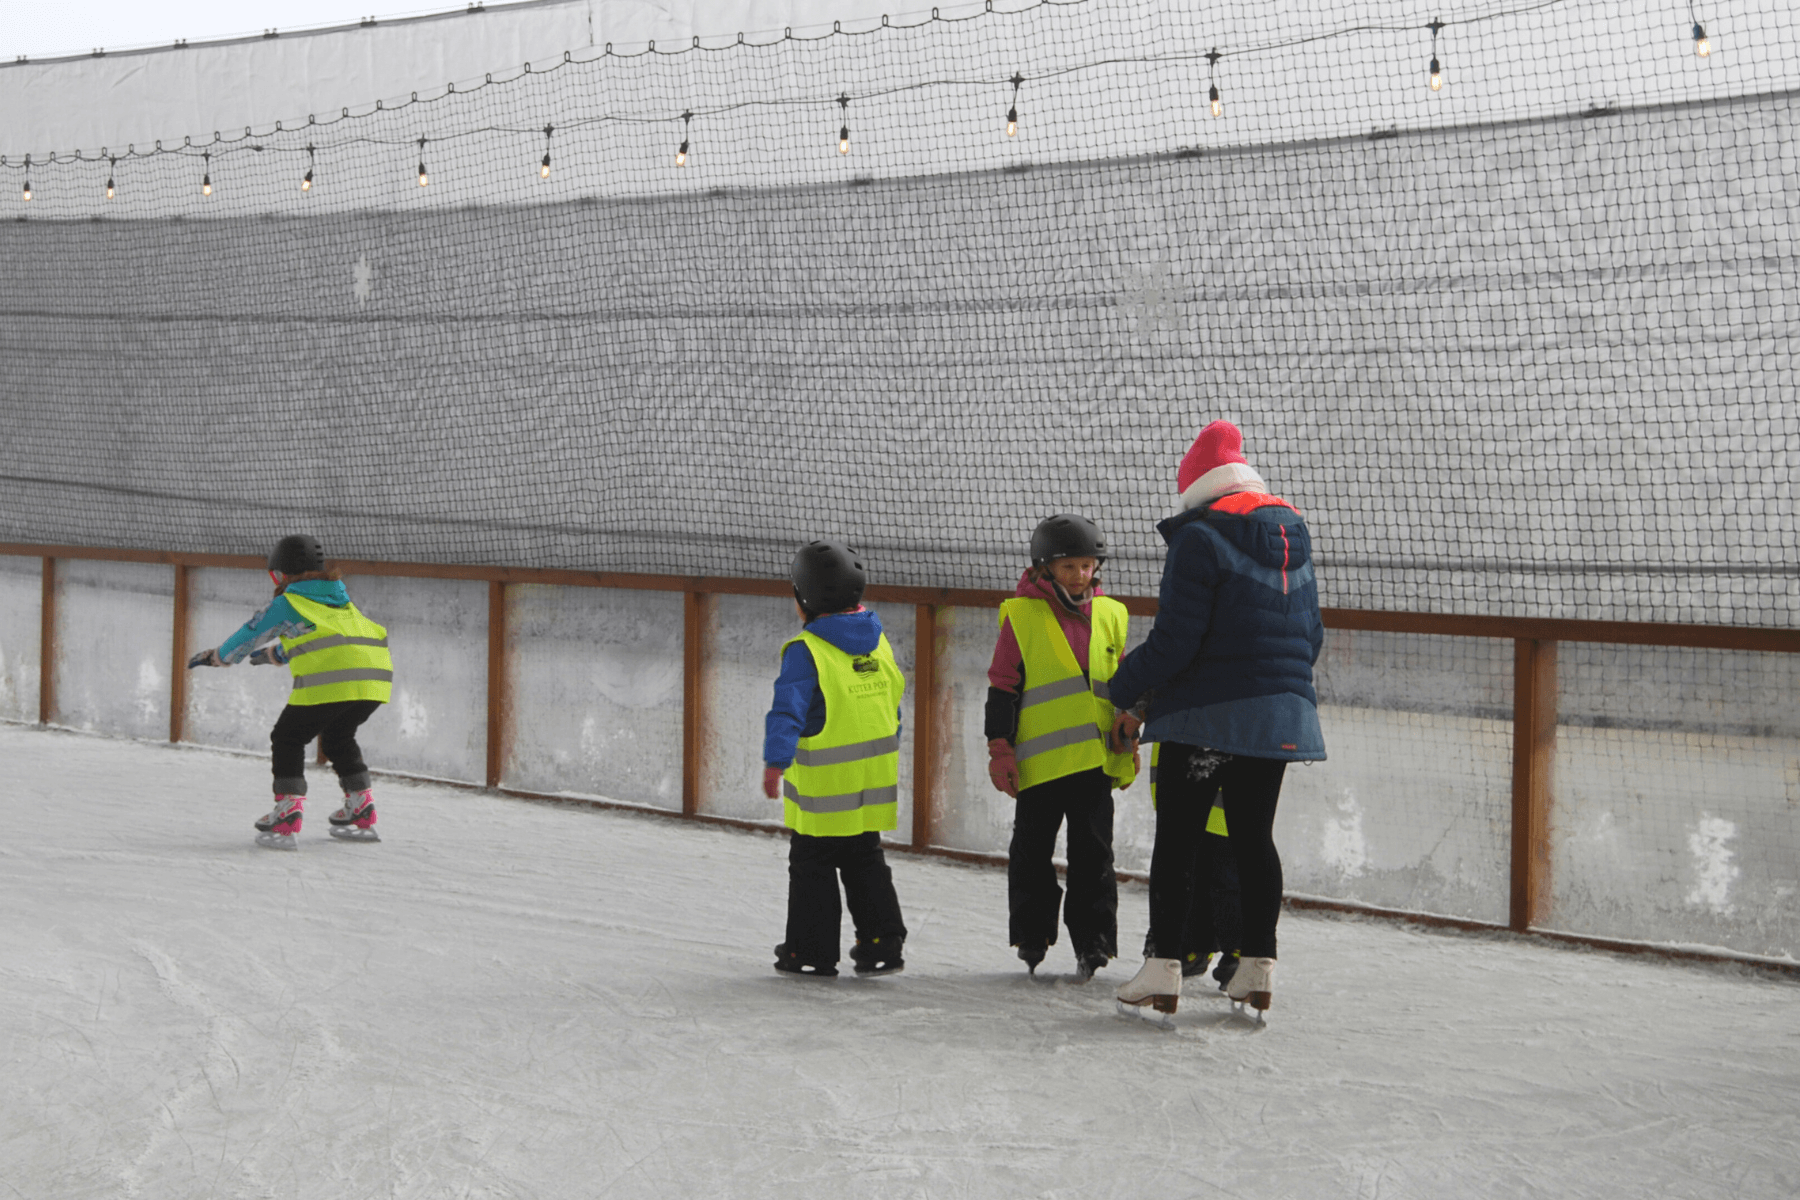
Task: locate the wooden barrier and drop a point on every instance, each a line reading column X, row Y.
column 1534, row 693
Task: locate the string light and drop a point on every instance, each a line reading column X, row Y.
column 113, row 163
column 544, row 170
column 423, row 178
column 1212, row 92
column 1012, row 114
column 306, row 180
column 681, row 154
column 844, row 132
column 206, row 175
column 1702, row 43
column 28, row 179
column 1437, row 71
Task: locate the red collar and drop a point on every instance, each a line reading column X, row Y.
column 1240, row 504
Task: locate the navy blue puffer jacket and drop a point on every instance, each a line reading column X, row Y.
column 1229, row 661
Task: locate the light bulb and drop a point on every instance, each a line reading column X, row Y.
column 844, row 140
column 1437, row 76
column 681, row 155
column 423, row 178
column 109, row 189
column 1012, row 122
column 206, row 185
column 306, row 183
column 1218, row 105
column 544, row 171
column 28, row 191
column 1702, row 43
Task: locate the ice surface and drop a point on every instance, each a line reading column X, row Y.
column 527, row 1000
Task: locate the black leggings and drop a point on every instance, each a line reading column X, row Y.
column 335, row 726
column 1252, row 786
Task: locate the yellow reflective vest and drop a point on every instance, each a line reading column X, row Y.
column 345, row 657
column 1215, row 820
column 845, row 779
column 1064, row 712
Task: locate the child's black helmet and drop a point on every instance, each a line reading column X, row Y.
column 828, row 577
column 296, row 554
column 1066, row 536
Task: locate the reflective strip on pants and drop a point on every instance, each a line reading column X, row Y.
column 848, row 802
column 837, row 756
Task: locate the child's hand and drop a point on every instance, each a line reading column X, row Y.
column 1124, row 735
column 206, row 658
column 264, row 657
column 1003, row 767
column 772, row 782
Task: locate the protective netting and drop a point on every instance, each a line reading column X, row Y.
column 1520, row 345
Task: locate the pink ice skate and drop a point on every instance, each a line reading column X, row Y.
column 276, row 831
column 355, row 822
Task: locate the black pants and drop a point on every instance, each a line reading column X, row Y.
column 335, row 726
column 1251, row 788
column 1032, row 894
column 1214, row 921
column 814, row 864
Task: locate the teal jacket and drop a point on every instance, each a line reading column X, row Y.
column 279, row 619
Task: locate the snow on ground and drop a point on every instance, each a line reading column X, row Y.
column 511, row 999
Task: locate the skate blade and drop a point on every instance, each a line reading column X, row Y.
column 350, row 833
column 881, row 970
column 1249, row 1011
column 1146, row 1016
column 277, row 841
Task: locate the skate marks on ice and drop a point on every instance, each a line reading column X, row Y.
column 525, row 1000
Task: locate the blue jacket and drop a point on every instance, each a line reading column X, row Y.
column 1229, row 660
column 799, row 708
column 279, row 619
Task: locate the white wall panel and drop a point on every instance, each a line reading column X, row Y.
column 21, row 595
column 114, row 627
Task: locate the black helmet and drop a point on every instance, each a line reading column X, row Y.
column 1066, row 536
column 828, row 577
column 296, row 554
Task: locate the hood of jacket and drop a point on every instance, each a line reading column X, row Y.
column 320, row 591
column 856, row 632
column 1267, row 529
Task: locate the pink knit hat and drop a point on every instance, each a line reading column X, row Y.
column 1214, row 466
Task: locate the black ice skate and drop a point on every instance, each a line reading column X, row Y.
column 1031, row 955
column 1088, row 962
column 788, row 962
column 874, row 958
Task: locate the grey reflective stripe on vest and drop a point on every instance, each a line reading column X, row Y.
column 1056, row 740
column 347, row 675
column 837, row 756
column 1044, row 693
column 333, row 639
column 1102, row 690
column 848, row 802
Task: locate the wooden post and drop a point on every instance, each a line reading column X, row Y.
column 925, row 750
column 499, row 686
column 178, row 672
column 47, row 646
column 1534, row 755
column 693, row 698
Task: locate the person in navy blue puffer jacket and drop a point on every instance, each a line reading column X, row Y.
column 1226, row 677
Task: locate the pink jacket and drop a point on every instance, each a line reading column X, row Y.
column 1007, row 671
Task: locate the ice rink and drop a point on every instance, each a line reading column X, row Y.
column 514, row 999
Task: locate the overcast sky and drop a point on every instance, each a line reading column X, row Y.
column 40, row 28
